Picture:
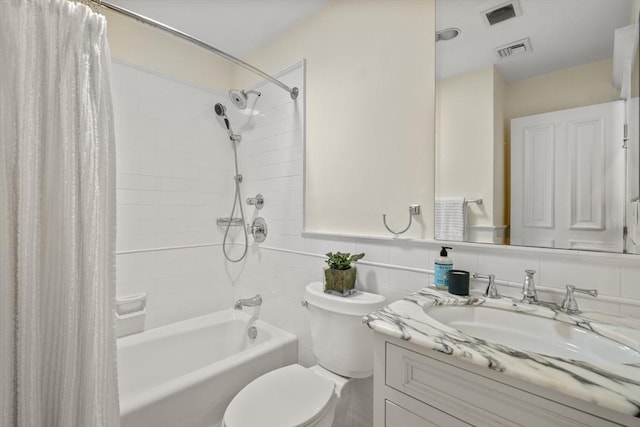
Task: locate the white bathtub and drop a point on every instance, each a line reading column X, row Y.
column 185, row 374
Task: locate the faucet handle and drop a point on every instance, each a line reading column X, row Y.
column 492, row 290
column 529, row 293
column 569, row 304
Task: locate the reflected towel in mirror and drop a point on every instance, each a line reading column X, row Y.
column 450, row 218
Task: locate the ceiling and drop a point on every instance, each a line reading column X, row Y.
column 234, row 26
column 563, row 33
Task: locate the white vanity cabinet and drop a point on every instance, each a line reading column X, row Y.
column 415, row 386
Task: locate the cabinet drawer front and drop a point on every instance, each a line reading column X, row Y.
column 397, row 416
column 473, row 398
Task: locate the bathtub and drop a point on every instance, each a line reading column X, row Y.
column 185, row 374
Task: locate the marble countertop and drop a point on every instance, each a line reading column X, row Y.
column 615, row 386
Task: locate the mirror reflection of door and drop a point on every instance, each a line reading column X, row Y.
column 567, row 178
column 540, row 56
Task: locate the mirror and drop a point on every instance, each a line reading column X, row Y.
column 530, row 127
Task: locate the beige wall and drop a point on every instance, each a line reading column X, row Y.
column 500, row 163
column 464, row 141
column 153, row 49
column 569, row 88
column 369, row 130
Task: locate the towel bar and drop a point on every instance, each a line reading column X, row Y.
column 478, row 201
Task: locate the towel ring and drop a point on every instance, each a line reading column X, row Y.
column 413, row 210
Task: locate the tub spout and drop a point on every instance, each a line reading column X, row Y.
column 249, row 302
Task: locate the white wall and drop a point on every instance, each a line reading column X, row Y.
column 174, row 169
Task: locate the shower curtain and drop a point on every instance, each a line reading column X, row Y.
column 57, row 218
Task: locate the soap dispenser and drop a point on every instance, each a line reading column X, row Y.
column 443, row 266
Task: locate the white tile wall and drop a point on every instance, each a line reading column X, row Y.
column 174, row 178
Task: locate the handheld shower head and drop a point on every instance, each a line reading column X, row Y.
column 239, row 97
column 221, row 111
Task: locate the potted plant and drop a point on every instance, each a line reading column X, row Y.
column 340, row 277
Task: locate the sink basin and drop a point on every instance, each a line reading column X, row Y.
column 534, row 334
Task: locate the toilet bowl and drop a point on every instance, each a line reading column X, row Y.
column 295, row 396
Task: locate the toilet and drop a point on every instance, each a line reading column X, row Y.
column 295, row 396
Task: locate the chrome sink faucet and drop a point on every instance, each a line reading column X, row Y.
column 529, row 294
column 569, row 304
column 492, row 290
column 248, row 302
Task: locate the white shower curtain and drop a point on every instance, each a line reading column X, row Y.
column 57, row 218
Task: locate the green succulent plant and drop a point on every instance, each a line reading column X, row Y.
column 342, row 261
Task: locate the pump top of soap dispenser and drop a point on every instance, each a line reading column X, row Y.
column 443, row 252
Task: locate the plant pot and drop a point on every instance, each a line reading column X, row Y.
column 340, row 282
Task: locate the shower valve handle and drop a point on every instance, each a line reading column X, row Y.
column 258, row 228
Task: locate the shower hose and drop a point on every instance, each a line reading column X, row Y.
column 237, row 201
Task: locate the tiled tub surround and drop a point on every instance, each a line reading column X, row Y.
column 612, row 386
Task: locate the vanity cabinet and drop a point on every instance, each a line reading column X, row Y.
column 414, row 386
column 396, row 415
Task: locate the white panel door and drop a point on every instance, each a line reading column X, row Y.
column 567, row 178
column 633, row 176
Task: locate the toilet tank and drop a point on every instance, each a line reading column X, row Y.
column 341, row 342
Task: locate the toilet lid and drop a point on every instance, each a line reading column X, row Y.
column 287, row 397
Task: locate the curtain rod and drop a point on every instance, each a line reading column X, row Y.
column 292, row 91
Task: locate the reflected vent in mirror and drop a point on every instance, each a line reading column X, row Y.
column 502, row 12
column 514, row 48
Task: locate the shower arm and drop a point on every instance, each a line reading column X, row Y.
column 293, row 92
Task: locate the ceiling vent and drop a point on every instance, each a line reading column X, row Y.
column 502, row 12
column 514, row 48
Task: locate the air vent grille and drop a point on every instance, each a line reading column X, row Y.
column 514, row 48
column 502, row 12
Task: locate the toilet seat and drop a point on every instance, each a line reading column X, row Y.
column 292, row 396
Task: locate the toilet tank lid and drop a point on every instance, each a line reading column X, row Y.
column 357, row 304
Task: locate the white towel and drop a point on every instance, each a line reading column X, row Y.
column 450, row 218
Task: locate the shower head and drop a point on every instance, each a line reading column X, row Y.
column 221, row 111
column 239, row 97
